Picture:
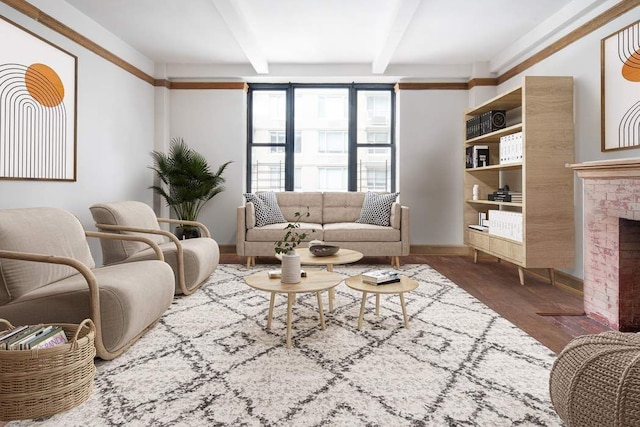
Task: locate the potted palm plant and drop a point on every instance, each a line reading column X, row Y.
column 186, row 183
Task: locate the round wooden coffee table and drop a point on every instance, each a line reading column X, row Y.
column 316, row 281
column 404, row 285
column 343, row 256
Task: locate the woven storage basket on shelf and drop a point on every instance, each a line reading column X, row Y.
column 595, row 381
column 42, row 382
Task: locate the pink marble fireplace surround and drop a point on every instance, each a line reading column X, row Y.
column 611, row 240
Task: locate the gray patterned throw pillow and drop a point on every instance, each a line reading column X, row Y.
column 376, row 208
column 267, row 209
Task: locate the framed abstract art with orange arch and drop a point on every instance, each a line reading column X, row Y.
column 38, row 83
column 620, row 82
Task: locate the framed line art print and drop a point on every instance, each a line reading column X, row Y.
column 620, row 83
column 38, row 82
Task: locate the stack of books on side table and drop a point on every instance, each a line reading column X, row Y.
column 380, row 277
column 30, row 337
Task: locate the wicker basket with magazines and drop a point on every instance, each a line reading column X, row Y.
column 41, row 382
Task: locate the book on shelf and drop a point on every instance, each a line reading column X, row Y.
column 478, row 227
column 380, row 277
column 506, row 224
column 511, row 149
column 477, row 156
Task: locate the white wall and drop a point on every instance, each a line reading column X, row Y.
column 213, row 122
column 430, row 163
column 114, row 137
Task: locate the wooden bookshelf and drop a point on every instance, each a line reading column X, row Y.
column 544, row 109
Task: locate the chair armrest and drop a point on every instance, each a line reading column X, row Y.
column 198, row 224
column 114, row 236
column 171, row 236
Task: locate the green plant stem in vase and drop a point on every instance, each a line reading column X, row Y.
column 292, row 237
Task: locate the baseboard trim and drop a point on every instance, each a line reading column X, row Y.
column 227, row 249
column 563, row 279
column 442, row 250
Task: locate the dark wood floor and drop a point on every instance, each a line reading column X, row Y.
column 551, row 314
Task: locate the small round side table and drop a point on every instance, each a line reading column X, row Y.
column 404, row 285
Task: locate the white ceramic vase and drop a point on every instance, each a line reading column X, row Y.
column 290, row 268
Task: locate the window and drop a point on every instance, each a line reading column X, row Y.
column 328, row 140
column 378, row 108
column 376, row 177
column 278, row 137
column 332, row 179
column 332, row 106
column 332, row 142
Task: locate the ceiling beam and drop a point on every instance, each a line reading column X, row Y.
column 230, row 12
column 404, row 16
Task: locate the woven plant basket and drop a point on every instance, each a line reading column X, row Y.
column 42, row 382
column 595, row 381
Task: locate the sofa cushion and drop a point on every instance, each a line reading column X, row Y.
column 355, row 232
column 266, row 207
column 291, row 202
column 342, row 206
column 275, row 232
column 376, row 208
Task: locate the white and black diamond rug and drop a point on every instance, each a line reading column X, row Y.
column 211, row 361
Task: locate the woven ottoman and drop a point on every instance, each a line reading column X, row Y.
column 595, row 381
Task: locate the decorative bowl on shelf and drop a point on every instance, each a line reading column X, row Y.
column 323, row 250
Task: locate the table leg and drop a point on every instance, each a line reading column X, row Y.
column 320, row 310
column 364, row 300
column 377, row 304
column 270, row 315
column 332, row 291
column 404, row 311
column 290, row 298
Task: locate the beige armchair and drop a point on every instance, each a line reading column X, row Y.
column 192, row 260
column 49, row 276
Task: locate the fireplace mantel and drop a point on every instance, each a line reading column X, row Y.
column 620, row 168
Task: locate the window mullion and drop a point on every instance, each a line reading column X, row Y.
column 352, row 166
column 289, row 164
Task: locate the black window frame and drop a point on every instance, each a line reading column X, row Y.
column 352, row 143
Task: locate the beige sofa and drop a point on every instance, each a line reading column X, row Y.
column 332, row 216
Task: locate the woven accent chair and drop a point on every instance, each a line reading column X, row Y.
column 47, row 275
column 595, row 381
column 192, row 260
